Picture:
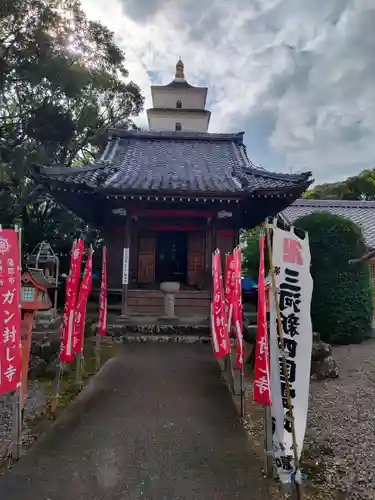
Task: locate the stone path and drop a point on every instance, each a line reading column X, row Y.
column 158, row 424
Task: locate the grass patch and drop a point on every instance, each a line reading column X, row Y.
column 68, row 388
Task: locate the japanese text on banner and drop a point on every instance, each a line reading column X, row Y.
column 102, row 329
column 220, row 339
column 229, row 290
column 237, row 307
column 10, row 312
column 66, row 348
column 80, row 310
column 261, row 371
column 291, row 260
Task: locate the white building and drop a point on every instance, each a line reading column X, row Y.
column 178, row 106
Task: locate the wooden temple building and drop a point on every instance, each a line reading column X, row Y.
column 164, row 199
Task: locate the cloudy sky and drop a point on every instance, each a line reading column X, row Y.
column 298, row 76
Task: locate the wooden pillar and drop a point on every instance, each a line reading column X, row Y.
column 208, row 258
column 126, row 265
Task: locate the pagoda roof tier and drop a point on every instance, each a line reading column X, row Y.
column 175, row 163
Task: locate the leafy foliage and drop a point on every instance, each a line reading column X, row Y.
column 359, row 187
column 341, row 304
column 250, row 252
column 63, row 83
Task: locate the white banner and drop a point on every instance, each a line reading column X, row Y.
column 125, row 266
column 291, row 260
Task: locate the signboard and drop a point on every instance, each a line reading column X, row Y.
column 291, row 260
column 10, row 312
column 125, row 267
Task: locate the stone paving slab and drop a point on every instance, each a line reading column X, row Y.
column 158, row 423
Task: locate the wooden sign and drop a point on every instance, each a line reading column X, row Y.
column 125, row 266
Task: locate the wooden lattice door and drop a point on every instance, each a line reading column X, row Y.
column 196, row 259
column 225, row 243
column 146, row 258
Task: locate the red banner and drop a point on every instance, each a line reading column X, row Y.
column 102, row 329
column 66, row 348
column 10, row 312
column 237, row 307
column 229, row 290
column 262, row 373
column 220, row 339
column 80, row 310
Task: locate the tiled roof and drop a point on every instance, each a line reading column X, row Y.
column 361, row 213
column 39, row 276
column 175, row 162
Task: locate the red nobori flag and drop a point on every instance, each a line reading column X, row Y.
column 10, row 312
column 80, row 310
column 102, row 328
column 237, row 307
column 66, row 348
column 220, row 338
column 262, row 374
column 229, row 290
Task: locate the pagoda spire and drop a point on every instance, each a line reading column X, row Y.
column 180, row 70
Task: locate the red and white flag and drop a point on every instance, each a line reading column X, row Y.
column 237, row 307
column 66, row 346
column 220, row 338
column 229, row 290
column 262, row 373
column 10, row 312
column 102, row 329
column 80, row 310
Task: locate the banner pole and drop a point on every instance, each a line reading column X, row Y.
column 268, row 445
column 79, row 371
column 17, row 410
column 298, row 485
column 59, row 376
column 242, row 391
column 98, row 339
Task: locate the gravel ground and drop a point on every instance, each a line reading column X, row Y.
column 341, row 423
column 34, row 405
column 339, row 451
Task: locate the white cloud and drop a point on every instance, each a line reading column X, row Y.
column 298, row 76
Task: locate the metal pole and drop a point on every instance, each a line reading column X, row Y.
column 230, row 374
column 79, row 372
column 56, row 282
column 242, row 391
column 268, row 444
column 18, row 413
column 16, row 426
column 59, row 375
column 98, row 340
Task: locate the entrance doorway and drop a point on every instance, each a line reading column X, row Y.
column 171, row 256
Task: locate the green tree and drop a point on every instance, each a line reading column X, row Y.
column 358, row 187
column 250, row 252
column 63, row 83
column 341, row 304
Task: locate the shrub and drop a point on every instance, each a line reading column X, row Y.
column 341, row 304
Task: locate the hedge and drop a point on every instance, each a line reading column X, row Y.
column 342, row 297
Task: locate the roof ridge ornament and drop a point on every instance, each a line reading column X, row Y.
column 180, row 75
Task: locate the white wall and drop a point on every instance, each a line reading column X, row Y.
column 166, row 121
column 166, row 97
